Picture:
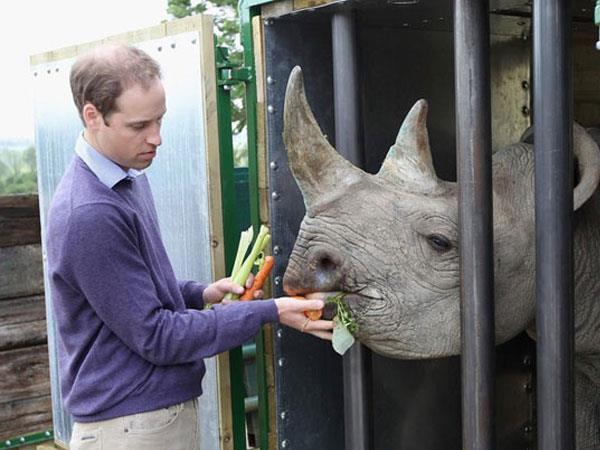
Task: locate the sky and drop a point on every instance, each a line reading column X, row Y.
column 35, row 26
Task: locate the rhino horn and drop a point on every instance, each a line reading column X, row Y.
column 588, row 160
column 408, row 161
column 318, row 168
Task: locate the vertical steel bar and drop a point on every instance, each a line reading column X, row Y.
column 474, row 150
column 347, row 141
column 554, row 229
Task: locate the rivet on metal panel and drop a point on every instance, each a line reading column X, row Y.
column 405, row 25
column 268, row 22
column 525, row 110
column 270, row 80
column 277, row 281
column 214, row 243
column 35, row 74
column 7, row 442
column 281, row 362
column 425, row 21
column 48, row 71
column 173, row 45
column 527, row 429
column 194, row 41
column 527, row 387
column 56, row 70
column 527, row 360
column 159, row 49
column 520, row 23
column 282, row 415
column 525, row 84
column 285, row 443
column 273, row 165
column 275, row 195
column 226, row 87
column 276, row 250
column 270, row 109
column 280, row 333
column 47, row 433
column 22, row 439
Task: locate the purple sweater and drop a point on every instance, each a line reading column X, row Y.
column 131, row 337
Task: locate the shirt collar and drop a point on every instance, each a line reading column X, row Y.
column 106, row 170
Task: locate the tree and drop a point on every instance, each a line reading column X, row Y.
column 18, row 173
column 226, row 19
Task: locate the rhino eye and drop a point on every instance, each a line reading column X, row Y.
column 439, row 242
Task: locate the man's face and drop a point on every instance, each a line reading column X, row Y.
column 133, row 132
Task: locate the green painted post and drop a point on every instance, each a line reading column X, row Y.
column 247, row 10
column 231, row 235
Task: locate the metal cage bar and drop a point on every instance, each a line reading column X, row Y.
column 347, row 141
column 474, row 164
column 554, row 229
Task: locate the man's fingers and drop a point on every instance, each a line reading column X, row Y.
column 327, row 335
column 321, row 325
column 250, row 281
column 305, row 305
column 229, row 286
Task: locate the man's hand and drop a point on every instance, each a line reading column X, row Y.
column 291, row 313
column 215, row 292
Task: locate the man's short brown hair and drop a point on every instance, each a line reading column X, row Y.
column 102, row 75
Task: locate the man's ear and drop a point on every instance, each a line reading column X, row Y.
column 91, row 116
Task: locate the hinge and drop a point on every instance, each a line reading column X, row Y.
column 228, row 72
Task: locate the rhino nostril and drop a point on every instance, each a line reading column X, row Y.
column 326, row 264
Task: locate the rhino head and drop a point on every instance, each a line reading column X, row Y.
column 390, row 240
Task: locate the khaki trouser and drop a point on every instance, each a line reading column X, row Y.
column 173, row 428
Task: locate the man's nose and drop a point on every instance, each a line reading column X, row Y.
column 154, row 137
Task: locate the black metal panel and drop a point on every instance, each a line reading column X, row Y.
column 308, row 373
column 415, row 404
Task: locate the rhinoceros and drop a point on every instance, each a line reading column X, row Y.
column 390, row 240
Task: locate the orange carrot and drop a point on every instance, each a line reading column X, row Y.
column 312, row 314
column 259, row 279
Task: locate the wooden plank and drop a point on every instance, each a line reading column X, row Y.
column 24, row 374
column 21, row 271
column 18, row 201
column 20, row 310
column 19, row 220
column 19, row 231
column 25, row 416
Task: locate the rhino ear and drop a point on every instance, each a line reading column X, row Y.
column 588, row 161
column 587, row 158
column 318, row 168
column 408, row 161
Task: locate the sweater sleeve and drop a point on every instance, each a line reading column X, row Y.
column 192, row 293
column 101, row 258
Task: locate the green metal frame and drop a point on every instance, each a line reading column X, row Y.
column 247, row 10
column 228, row 74
column 29, row 439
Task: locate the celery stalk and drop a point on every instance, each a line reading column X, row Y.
column 262, row 240
column 245, row 241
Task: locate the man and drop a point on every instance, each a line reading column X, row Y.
column 131, row 337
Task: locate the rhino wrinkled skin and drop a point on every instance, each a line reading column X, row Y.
column 391, row 241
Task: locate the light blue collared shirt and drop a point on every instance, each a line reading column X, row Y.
column 105, row 169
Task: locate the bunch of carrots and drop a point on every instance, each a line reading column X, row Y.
column 243, row 264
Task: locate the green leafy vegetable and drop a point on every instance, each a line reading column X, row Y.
column 344, row 325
